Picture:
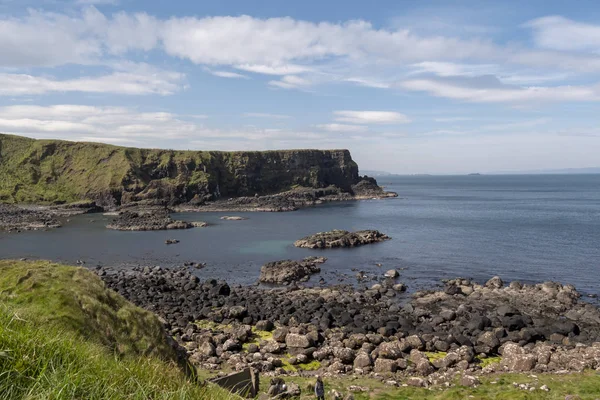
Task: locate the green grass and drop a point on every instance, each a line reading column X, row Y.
column 56, row 171
column 487, row 361
column 63, row 335
column 437, row 355
column 585, row 385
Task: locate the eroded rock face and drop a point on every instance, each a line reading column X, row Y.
column 341, row 238
column 288, row 271
column 147, row 220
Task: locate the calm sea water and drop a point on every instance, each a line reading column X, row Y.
column 528, row 228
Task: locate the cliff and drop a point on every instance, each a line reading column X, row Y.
column 54, row 171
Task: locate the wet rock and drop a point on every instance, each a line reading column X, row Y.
column 340, row 238
column 233, row 218
column 287, row 271
column 494, row 283
column 392, row 273
column 147, row 220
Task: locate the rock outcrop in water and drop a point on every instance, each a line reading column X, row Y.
column 341, row 238
column 288, row 271
column 53, row 171
column 148, row 220
column 24, row 218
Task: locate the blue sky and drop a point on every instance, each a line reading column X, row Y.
column 407, row 86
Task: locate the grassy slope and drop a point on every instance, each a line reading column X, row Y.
column 63, row 335
column 60, row 171
column 55, row 171
column 585, row 385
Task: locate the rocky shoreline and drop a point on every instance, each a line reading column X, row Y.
column 466, row 328
column 14, row 218
column 147, row 215
column 292, row 200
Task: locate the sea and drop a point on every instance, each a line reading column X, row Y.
column 530, row 228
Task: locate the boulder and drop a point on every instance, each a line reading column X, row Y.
column 383, row 365
column 287, row 271
column 363, row 360
column 494, row 283
column 393, row 350
column 298, row 341
column 469, row 381
column 280, row 334
column 392, row 273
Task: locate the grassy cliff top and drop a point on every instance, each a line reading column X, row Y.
column 57, row 171
column 5, row 137
column 63, row 335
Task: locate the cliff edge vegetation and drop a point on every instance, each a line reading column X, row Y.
column 55, row 171
column 63, row 335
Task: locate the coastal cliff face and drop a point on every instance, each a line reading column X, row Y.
column 53, row 171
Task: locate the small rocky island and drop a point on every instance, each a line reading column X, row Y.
column 341, row 238
column 287, row 271
column 149, row 220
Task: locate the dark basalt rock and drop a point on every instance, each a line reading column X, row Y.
column 288, row 271
column 533, row 327
column 20, row 218
column 341, row 238
column 147, row 220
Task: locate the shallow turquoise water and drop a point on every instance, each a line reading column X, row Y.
column 530, row 228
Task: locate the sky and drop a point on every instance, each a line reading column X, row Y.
column 408, row 87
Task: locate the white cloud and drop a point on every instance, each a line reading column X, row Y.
column 288, row 47
column 97, row 2
column 121, row 125
column 453, row 69
column 266, row 115
column 559, row 33
column 227, row 74
column 368, row 83
column 131, row 83
column 291, row 82
column 341, row 128
column 371, row 117
column 286, row 69
column 502, row 93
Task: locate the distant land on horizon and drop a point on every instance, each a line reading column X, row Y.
column 562, row 171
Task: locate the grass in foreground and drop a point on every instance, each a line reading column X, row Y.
column 63, row 335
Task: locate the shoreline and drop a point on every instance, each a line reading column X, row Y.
column 24, row 217
column 341, row 330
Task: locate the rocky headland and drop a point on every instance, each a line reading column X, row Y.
column 54, row 171
column 466, row 328
column 341, row 238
